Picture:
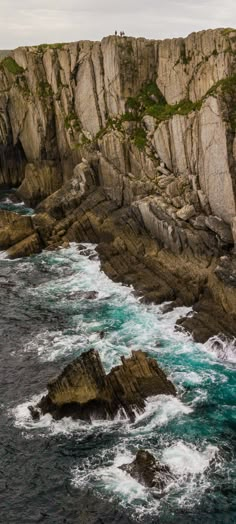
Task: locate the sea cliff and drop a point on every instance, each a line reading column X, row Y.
column 130, row 143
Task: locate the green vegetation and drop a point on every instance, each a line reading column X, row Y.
column 11, row 65
column 140, row 138
column 228, row 30
column 72, row 122
column 44, row 90
column 226, row 85
column 43, row 47
column 151, row 102
column 22, row 85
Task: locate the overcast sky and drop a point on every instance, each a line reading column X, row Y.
column 26, row 22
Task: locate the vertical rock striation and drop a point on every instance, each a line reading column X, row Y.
column 131, row 143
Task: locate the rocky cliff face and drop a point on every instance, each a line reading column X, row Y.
column 131, row 143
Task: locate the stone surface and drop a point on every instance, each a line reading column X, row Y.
column 13, row 228
column 148, row 471
column 83, row 390
column 29, row 246
column 40, row 181
column 155, row 190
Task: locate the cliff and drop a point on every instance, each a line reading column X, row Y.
column 130, row 143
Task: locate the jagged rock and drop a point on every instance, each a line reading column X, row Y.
column 83, row 390
column 226, row 270
column 87, row 295
column 14, row 228
column 219, row 227
column 148, row 471
column 40, row 181
column 29, row 246
column 186, row 212
column 208, row 320
column 44, row 225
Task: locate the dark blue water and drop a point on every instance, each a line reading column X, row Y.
column 67, row 472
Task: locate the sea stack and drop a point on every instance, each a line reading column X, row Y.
column 84, row 391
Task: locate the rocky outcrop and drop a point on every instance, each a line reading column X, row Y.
column 84, row 391
column 148, row 471
column 39, row 182
column 17, row 235
column 131, row 144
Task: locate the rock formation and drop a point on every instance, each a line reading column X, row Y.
column 83, row 390
column 18, row 235
column 148, row 471
column 130, row 143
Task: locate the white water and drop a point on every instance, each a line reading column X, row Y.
column 167, row 425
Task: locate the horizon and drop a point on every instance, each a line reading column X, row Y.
column 36, row 22
column 110, row 35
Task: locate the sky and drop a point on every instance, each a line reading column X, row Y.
column 31, row 22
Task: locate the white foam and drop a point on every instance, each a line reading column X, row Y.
column 183, row 459
column 159, row 411
column 222, row 349
column 117, row 483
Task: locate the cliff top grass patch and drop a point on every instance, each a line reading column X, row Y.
column 228, row 30
column 11, row 65
column 44, row 47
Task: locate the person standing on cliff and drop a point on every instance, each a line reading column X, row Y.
column 115, row 33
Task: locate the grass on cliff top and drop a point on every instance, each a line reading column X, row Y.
column 228, row 30
column 11, row 65
column 43, row 47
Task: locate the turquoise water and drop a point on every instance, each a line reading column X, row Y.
column 194, row 433
column 10, row 202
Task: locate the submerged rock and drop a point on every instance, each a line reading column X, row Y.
column 84, row 391
column 148, row 471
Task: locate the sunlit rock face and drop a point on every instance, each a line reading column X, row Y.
column 130, row 143
column 83, row 390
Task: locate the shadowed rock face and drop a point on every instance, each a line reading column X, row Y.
column 83, row 390
column 148, row 471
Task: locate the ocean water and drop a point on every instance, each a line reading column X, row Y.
column 68, row 472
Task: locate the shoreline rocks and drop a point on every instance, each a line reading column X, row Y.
column 84, row 391
column 148, row 471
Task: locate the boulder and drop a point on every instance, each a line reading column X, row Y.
column 13, row 228
column 148, row 471
column 218, row 226
column 186, row 212
column 29, row 246
column 84, row 391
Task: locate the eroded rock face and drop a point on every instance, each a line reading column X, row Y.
column 17, row 235
column 148, row 471
column 83, row 390
column 92, row 134
column 40, row 181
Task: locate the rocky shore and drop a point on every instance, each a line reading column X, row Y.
column 130, row 144
column 84, row 391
